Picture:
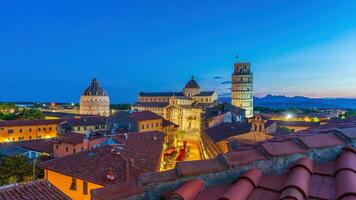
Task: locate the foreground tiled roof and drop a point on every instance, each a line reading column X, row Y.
column 145, row 115
column 303, row 180
column 133, row 154
column 35, row 190
column 271, row 170
column 10, row 123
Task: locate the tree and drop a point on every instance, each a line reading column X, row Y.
column 30, row 114
column 14, row 168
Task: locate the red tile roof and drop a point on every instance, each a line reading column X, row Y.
column 10, row 123
column 282, row 148
column 70, row 138
column 86, row 121
column 297, row 184
column 272, row 158
column 134, row 154
column 35, row 190
column 145, row 115
column 40, row 145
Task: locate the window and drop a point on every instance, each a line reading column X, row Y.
column 85, row 187
column 96, row 127
column 78, row 128
column 66, row 149
column 153, row 125
column 73, row 185
column 30, row 130
column 44, row 129
column 20, row 130
column 143, row 126
column 147, row 126
column 39, row 129
column 157, row 124
column 85, row 128
column 30, row 137
column 50, row 128
column 21, row 138
column 73, row 150
column 57, row 146
column 10, row 131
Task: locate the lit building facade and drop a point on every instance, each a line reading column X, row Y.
column 94, row 101
column 20, row 130
column 181, row 108
column 242, row 87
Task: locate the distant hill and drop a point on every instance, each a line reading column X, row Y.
column 279, row 102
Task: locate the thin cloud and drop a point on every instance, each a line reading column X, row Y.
column 225, row 82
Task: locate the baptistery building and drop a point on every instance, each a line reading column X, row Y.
column 182, row 108
column 94, row 100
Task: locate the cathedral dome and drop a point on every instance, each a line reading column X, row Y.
column 192, row 84
column 94, row 89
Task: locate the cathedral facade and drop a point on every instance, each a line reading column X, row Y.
column 182, row 108
column 242, row 87
column 94, row 100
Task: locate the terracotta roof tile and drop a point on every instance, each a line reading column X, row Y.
column 213, row 193
column 153, row 177
column 322, row 187
column 42, row 145
column 346, row 162
column 244, row 186
column 188, row 191
column 272, row 182
column 297, row 183
column 35, row 190
column 262, row 194
column 282, row 148
column 119, row 191
column 345, row 184
column 349, row 132
column 138, row 153
column 242, row 157
column 321, row 140
column 325, row 169
column 200, row 166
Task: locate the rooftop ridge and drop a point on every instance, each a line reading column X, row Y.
column 221, row 168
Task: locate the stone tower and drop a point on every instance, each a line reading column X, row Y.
column 242, row 87
column 94, row 101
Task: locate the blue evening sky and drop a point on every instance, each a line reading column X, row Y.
column 50, row 50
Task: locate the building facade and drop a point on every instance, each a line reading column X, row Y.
column 94, row 101
column 181, row 108
column 20, row 130
column 242, row 87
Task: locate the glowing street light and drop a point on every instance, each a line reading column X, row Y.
column 289, row 116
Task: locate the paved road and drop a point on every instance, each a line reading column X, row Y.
column 193, row 143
